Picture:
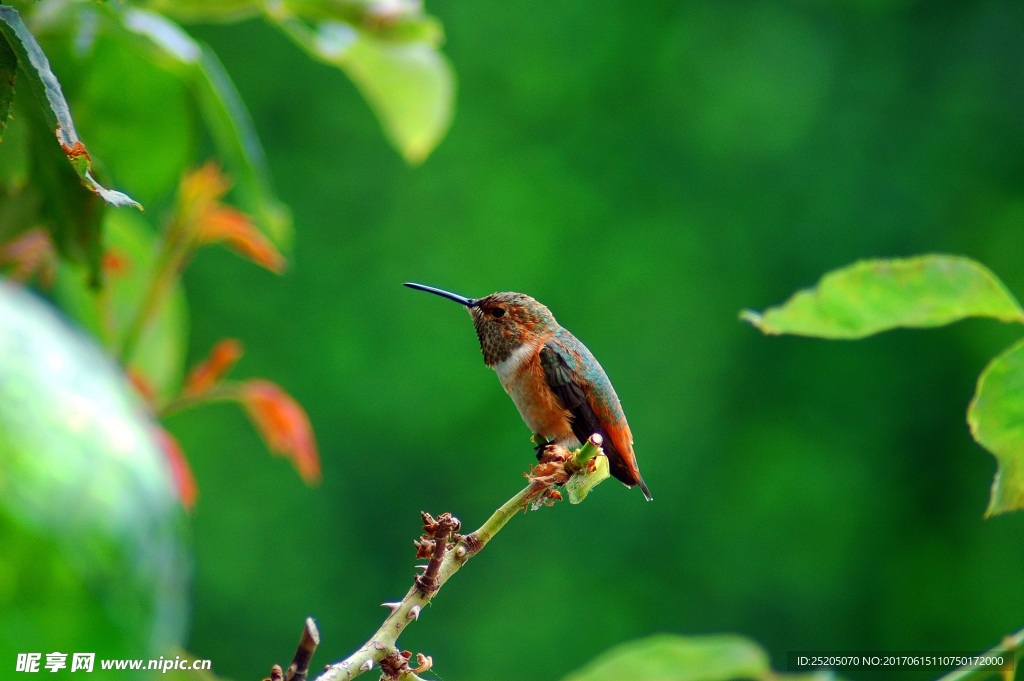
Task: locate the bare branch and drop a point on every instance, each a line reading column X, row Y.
column 299, row 669
column 447, row 552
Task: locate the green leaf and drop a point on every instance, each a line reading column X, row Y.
column 145, row 133
column 41, row 80
column 94, row 557
column 388, row 20
column 409, row 84
column 878, row 295
column 71, row 212
column 159, row 356
column 667, row 657
column 996, row 418
column 208, row 10
column 8, row 72
column 224, row 113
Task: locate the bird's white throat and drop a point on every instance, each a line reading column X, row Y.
column 508, row 368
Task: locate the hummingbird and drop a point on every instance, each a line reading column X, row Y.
column 557, row 384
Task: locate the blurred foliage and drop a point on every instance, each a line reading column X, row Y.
column 94, row 555
column 390, row 49
column 24, row 53
column 119, row 278
column 693, row 159
column 131, row 253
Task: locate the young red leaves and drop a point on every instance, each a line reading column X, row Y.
column 201, row 212
column 283, row 424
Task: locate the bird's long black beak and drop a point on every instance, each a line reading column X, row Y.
column 468, row 302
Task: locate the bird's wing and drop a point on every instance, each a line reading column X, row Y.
column 559, row 376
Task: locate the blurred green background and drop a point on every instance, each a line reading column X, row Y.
column 646, row 170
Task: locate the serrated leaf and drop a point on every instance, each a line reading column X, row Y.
column 44, row 84
column 409, row 84
column 8, row 74
column 224, row 113
column 877, row 295
column 71, row 212
column 666, row 657
column 996, row 418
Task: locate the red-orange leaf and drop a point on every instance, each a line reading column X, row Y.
column 203, row 216
column 220, row 360
column 234, row 229
column 203, row 186
column 283, row 424
column 182, row 472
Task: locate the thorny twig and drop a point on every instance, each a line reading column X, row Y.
column 447, row 552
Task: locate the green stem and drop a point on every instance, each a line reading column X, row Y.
column 172, row 255
column 222, row 391
column 588, row 451
column 486, row 532
column 1011, row 644
column 410, row 607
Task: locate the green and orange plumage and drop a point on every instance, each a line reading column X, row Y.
column 557, row 384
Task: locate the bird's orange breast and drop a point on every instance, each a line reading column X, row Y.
column 522, row 376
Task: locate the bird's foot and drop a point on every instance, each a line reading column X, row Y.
column 540, row 445
column 542, row 450
column 551, row 470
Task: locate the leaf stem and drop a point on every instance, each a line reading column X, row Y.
column 222, row 391
column 588, row 451
column 173, row 252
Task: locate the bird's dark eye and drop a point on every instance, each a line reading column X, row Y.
column 497, row 312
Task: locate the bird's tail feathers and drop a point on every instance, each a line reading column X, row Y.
column 643, row 488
